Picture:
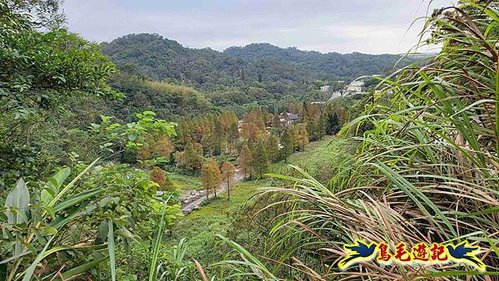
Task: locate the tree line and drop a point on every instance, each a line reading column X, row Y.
column 207, row 144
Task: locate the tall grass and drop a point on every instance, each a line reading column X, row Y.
column 427, row 171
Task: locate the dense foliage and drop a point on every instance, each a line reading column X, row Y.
column 93, row 178
column 168, row 101
column 423, row 168
column 256, row 74
column 164, row 59
column 50, row 224
column 38, row 72
column 319, row 65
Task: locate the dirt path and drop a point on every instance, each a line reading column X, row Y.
column 192, row 203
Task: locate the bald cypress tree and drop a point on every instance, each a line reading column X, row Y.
column 272, row 145
column 217, row 136
column 211, row 177
column 232, row 130
column 322, row 126
column 191, row 158
column 303, row 138
column 260, row 158
column 246, row 161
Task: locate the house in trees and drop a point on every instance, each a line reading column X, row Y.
column 289, row 118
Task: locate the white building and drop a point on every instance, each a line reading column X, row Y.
column 355, row 86
column 325, row 88
column 335, row 95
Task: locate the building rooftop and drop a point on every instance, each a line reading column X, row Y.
column 292, row 116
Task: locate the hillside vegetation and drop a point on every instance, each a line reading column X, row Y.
column 164, row 59
column 322, row 66
column 424, row 170
column 259, row 74
column 160, row 162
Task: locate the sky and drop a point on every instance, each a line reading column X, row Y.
column 345, row 26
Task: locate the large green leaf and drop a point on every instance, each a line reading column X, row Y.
column 70, row 185
column 81, row 269
column 17, row 204
column 18, row 200
column 77, row 199
column 54, row 185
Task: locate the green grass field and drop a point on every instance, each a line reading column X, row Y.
column 214, row 217
column 185, row 183
column 313, row 151
column 317, row 159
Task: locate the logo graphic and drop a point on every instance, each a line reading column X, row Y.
column 359, row 251
column 420, row 253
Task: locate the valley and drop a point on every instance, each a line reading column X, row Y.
column 126, row 155
column 216, row 215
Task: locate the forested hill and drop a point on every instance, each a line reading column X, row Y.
column 163, row 59
column 346, row 66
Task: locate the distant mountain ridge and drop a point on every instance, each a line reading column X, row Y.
column 164, row 59
column 348, row 66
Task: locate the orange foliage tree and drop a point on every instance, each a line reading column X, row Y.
column 191, row 158
column 211, row 177
column 246, row 161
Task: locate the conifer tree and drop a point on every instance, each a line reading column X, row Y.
column 302, row 137
column 295, row 138
column 254, row 124
column 304, row 117
column 246, row 161
column 211, row 177
column 333, row 125
column 229, row 123
column 160, row 177
column 228, row 176
column 233, row 135
column 313, row 130
column 204, row 132
column 217, row 136
column 145, row 151
column 260, row 158
column 184, row 131
column 191, row 158
column 276, row 121
column 313, row 111
column 163, row 146
column 296, row 108
column 273, row 148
